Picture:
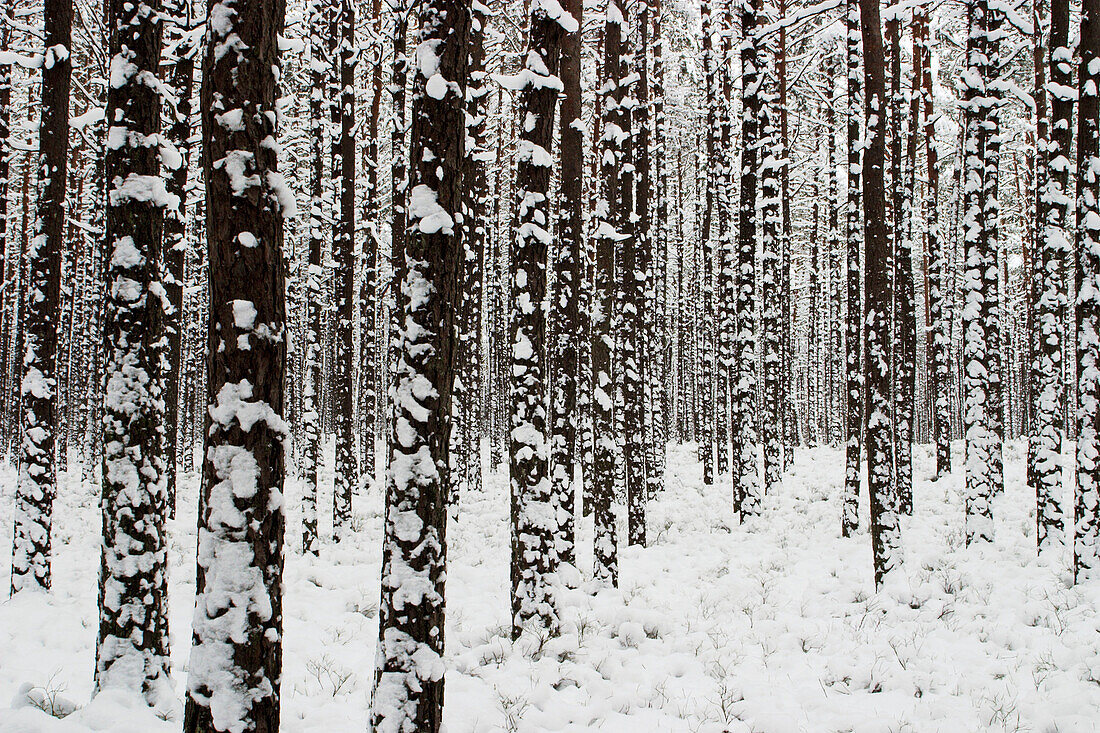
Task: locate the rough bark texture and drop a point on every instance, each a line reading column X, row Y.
column 236, row 658
column 408, row 692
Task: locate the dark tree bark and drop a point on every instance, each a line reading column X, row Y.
column 534, row 509
column 1048, row 293
column 885, row 531
column 36, row 486
column 408, row 691
column 346, row 474
column 1086, row 515
column 746, row 486
column 607, row 235
column 236, row 657
column 567, row 319
column 853, row 342
column 132, row 646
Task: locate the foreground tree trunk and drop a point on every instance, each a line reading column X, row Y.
column 132, row 647
column 534, row 514
column 565, row 416
column 1048, row 302
column 1086, row 543
column 36, row 485
column 885, row 531
column 236, row 658
column 408, row 691
column 346, row 474
column 853, row 344
column 746, row 484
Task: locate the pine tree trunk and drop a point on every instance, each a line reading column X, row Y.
column 1086, row 541
column 534, row 523
column 607, row 235
column 36, row 485
column 567, row 320
column 132, row 647
column 746, row 492
column 408, row 690
column 346, row 476
column 236, row 657
column 853, row 341
column 885, row 531
column 1048, row 303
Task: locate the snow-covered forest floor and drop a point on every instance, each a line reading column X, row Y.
column 772, row 627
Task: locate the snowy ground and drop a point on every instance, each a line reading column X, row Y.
column 773, row 627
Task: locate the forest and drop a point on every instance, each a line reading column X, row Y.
column 709, row 366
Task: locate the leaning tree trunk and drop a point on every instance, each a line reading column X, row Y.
column 236, row 657
column 408, row 692
column 36, row 485
column 132, row 646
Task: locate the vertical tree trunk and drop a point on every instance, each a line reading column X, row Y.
column 1048, row 302
column 236, row 657
column 746, row 492
column 885, row 531
column 346, row 475
column 1086, row 544
column 567, row 319
column 534, row 522
column 853, row 341
column 607, row 235
column 408, row 690
column 770, row 211
column 132, row 646
column 705, row 374
column 36, row 485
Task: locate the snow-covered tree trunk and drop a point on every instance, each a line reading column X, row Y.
column 1048, row 295
column 980, row 283
column 939, row 312
column 770, row 205
column 885, row 530
column 36, row 485
column 236, row 658
column 181, row 81
column 1086, row 541
column 132, row 646
column 346, row 474
column 607, row 236
column 408, row 692
column 746, row 491
column 853, row 340
column 705, row 374
column 309, row 453
column 564, row 306
column 534, row 508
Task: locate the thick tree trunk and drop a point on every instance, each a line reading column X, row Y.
column 885, row 531
column 408, row 690
column 236, row 658
column 1086, row 541
column 36, row 485
column 132, row 646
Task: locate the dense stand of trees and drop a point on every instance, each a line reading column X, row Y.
column 749, row 226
